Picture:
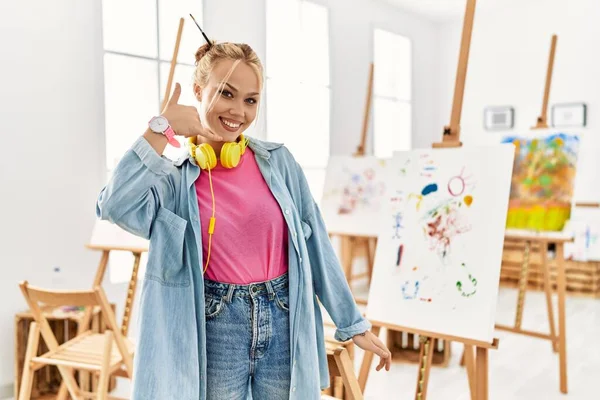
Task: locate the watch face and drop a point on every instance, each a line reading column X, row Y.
column 159, row 124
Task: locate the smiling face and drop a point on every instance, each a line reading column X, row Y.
column 228, row 105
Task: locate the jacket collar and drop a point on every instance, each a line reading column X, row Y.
column 261, row 148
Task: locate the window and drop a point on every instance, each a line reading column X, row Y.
column 392, row 93
column 139, row 39
column 298, row 89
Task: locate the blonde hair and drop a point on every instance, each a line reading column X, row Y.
column 208, row 56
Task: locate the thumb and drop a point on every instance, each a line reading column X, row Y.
column 176, row 93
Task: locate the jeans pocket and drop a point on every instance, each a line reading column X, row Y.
column 213, row 306
column 282, row 299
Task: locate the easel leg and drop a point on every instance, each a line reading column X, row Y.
column 347, row 257
column 561, row 287
column 425, row 358
column 522, row 285
column 548, row 290
column 365, row 367
column 481, row 371
column 469, row 360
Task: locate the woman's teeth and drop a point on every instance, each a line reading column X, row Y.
column 232, row 125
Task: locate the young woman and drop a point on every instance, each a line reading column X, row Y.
column 239, row 259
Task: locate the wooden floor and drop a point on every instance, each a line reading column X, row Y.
column 522, row 368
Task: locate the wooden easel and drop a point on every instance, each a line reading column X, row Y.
column 542, row 240
column 477, row 366
column 351, row 243
column 558, row 340
column 542, row 121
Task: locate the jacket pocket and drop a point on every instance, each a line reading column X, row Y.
column 306, row 230
column 166, row 258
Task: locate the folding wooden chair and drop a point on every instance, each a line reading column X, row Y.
column 93, row 352
column 341, row 365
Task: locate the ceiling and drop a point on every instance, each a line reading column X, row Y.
column 438, row 10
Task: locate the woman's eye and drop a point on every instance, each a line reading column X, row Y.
column 251, row 101
column 226, row 93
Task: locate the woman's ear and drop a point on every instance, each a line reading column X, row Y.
column 197, row 92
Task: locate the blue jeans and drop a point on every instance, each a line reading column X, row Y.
column 248, row 340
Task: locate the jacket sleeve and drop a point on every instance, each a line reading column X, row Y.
column 140, row 186
column 329, row 280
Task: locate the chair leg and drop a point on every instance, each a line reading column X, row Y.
column 62, row 392
column 104, row 372
column 32, row 346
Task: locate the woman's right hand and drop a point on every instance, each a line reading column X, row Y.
column 185, row 120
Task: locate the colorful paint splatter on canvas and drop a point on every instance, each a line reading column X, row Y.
column 439, row 249
column 543, row 180
column 354, row 194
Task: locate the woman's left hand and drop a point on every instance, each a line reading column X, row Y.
column 370, row 342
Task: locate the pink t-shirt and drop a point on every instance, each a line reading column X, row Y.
column 250, row 241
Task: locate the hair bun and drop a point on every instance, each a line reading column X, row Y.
column 202, row 50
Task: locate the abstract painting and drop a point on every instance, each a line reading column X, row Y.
column 353, row 195
column 543, row 181
column 439, row 251
column 584, row 225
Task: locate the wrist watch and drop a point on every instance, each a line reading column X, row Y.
column 160, row 124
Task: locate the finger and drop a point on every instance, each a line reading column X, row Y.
column 380, row 345
column 370, row 346
column 207, row 133
column 176, row 93
column 381, row 364
column 388, row 363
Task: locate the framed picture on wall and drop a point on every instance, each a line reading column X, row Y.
column 498, row 118
column 569, row 114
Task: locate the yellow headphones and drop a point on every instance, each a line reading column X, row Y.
column 205, row 156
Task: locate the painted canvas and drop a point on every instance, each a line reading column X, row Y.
column 353, row 195
column 543, row 181
column 438, row 257
column 584, row 225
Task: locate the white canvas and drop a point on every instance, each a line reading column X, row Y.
column 584, row 226
column 353, row 195
column 439, row 252
column 120, row 263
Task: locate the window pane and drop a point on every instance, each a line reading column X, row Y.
column 393, row 65
column 130, row 26
column 392, row 127
column 131, row 95
column 283, row 38
column 169, row 13
column 315, row 43
column 287, row 105
column 184, row 75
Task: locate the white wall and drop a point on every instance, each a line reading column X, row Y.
column 351, row 51
column 509, row 56
column 52, row 164
column 52, row 107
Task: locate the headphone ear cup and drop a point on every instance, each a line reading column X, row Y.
column 205, row 156
column 230, row 155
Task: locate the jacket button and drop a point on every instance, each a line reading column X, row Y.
column 294, row 389
column 287, row 211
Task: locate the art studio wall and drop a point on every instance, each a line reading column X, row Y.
column 516, row 37
column 53, row 108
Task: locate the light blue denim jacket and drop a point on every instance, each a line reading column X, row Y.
column 155, row 198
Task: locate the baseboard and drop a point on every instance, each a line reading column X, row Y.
column 7, row 391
